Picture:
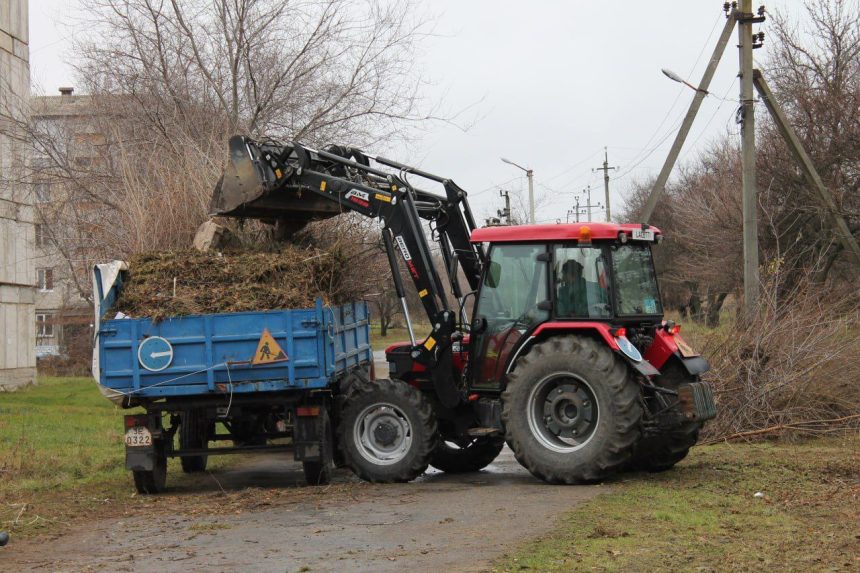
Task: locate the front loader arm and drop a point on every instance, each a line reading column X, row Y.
column 297, row 184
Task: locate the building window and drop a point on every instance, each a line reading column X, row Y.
column 43, row 192
column 45, row 279
column 44, row 325
column 40, row 235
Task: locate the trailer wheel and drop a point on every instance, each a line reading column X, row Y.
column 320, row 472
column 155, row 480
column 474, row 456
column 571, row 410
column 387, row 431
column 193, row 434
column 661, row 452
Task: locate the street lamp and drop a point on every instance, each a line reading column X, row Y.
column 676, row 78
column 530, row 175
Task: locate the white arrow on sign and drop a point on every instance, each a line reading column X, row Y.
column 159, row 354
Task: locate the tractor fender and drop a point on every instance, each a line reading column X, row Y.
column 666, row 347
column 644, row 367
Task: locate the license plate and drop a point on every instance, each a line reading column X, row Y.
column 138, row 437
column 642, row 235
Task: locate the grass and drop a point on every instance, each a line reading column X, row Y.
column 398, row 334
column 704, row 516
column 62, row 455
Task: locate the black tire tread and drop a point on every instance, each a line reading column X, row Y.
column 193, row 434
column 613, row 373
column 475, row 457
column 360, row 386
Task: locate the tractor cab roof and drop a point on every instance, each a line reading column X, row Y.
column 557, row 232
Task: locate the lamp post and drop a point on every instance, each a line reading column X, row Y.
column 530, row 175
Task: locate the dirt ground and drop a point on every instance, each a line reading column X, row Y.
column 439, row 522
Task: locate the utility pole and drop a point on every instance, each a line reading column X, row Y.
column 750, row 195
column 506, row 212
column 588, row 201
column 577, row 209
column 605, row 170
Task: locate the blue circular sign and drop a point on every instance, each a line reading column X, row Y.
column 155, row 353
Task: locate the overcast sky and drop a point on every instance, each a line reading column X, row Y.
column 549, row 82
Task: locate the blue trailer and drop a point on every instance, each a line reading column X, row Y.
column 267, row 380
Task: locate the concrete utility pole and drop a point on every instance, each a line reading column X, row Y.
column 605, row 170
column 750, row 194
column 506, row 212
column 530, row 175
column 840, row 227
column 701, row 92
column 577, row 209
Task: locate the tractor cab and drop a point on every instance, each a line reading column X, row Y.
column 597, row 278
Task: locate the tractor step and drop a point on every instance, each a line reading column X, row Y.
column 481, row 432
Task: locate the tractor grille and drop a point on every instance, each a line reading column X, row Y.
column 697, row 401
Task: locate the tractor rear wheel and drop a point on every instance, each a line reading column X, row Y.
column 193, row 434
column 387, row 431
column 452, row 458
column 571, row 410
column 661, row 452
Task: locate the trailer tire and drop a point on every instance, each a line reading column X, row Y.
column 153, row 481
column 387, row 432
column 571, row 410
column 320, row 472
column 472, row 458
column 193, row 434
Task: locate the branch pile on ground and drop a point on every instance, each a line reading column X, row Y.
column 212, row 282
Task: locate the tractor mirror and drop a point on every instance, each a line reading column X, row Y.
column 494, row 275
column 479, row 325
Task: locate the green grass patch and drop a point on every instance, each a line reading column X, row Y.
column 62, row 455
column 704, row 515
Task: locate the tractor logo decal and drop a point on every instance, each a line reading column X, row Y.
column 402, row 244
column 359, row 197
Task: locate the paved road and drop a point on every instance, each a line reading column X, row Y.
column 437, row 523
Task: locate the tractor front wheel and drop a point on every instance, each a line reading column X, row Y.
column 453, row 458
column 571, row 410
column 387, row 431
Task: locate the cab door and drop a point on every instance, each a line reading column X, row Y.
column 509, row 306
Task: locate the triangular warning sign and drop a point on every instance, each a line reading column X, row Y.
column 268, row 350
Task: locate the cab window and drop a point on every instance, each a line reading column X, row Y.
column 581, row 283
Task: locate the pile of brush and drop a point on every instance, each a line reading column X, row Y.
column 177, row 283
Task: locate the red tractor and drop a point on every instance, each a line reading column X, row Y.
column 566, row 355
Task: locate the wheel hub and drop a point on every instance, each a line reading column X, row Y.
column 563, row 412
column 385, row 433
column 568, row 411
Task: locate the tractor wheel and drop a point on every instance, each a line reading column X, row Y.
column 193, row 434
column 571, row 410
column 387, row 431
column 476, row 455
column 660, row 453
column 320, row 472
column 155, row 480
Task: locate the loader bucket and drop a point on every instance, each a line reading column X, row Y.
column 240, row 184
column 245, row 190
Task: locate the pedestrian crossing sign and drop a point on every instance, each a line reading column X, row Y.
column 268, row 350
